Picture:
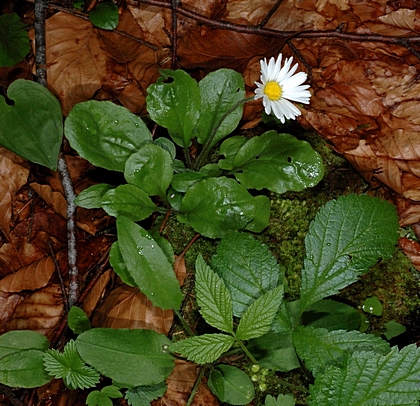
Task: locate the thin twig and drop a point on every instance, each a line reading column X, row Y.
column 71, row 229
column 40, row 55
column 83, row 16
column 253, row 29
column 301, row 58
column 270, row 13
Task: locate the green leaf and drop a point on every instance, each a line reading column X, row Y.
column 23, row 369
column 372, row 305
column 143, row 395
column 129, row 201
column 183, row 181
column 150, row 169
column 70, row 367
column 148, row 265
column 257, row 319
column 21, row 340
column 319, row 347
column 167, row 145
column 105, row 134
column 14, row 41
column 278, row 162
column 261, row 215
column 371, row 379
column 282, row 400
column 77, row 320
column 229, row 148
column 275, row 351
column 130, row 357
column 331, row 315
column 203, row 349
column 219, row 91
column 393, row 329
column 174, row 103
column 247, row 267
column 118, row 265
column 31, row 127
column 231, row 385
column 215, row 206
column 102, row 398
column 346, row 238
column 105, row 16
column 91, row 198
column 213, row 297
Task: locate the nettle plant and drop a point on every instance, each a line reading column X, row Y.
column 215, row 189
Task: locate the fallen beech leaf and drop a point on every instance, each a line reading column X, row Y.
column 76, row 61
column 97, row 293
column 180, row 383
column 412, row 250
column 13, row 175
column 16, row 254
column 40, row 311
column 8, row 303
column 127, row 307
column 30, row 277
column 180, row 269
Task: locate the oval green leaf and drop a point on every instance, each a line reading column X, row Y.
column 14, row 41
column 150, row 169
column 32, row 126
column 105, row 134
column 105, row 16
column 231, row 385
column 278, row 162
column 129, row 201
column 216, row 206
column 129, row 357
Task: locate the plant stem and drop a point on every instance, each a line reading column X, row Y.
column 184, row 323
column 208, row 145
column 245, row 350
column 196, row 384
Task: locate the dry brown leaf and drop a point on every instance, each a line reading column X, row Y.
column 411, row 249
column 127, row 307
column 180, row 383
column 40, row 311
column 8, row 303
column 97, row 293
column 76, row 61
column 17, row 254
column 13, row 175
column 31, row 277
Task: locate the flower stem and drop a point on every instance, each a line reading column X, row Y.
column 208, row 145
column 184, row 323
column 196, row 384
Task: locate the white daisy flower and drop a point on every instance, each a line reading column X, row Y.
column 279, row 85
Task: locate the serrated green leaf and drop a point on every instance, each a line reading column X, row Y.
column 143, row 395
column 105, row 15
column 31, row 127
column 148, row 265
column 247, row 267
column 130, row 357
column 278, row 162
column 319, row 347
column 259, row 316
column 231, row 385
column 175, row 104
column 77, row 320
column 70, row 367
column 371, row 379
column 282, row 400
column 150, row 169
column 346, row 238
column 215, row 206
column 129, row 201
column 213, row 297
column 14, row 40
column 91, row 197
column 203, row 349
column 219, row 92
column 331, row 315
column 23, row 369
column 22, row 340
column 105, row 134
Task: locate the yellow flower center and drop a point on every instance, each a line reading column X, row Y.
column 273, row 90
